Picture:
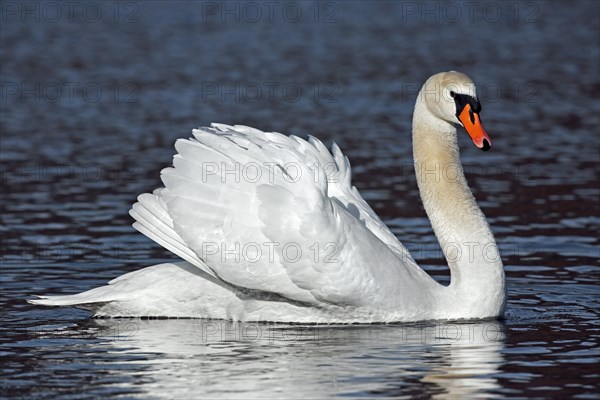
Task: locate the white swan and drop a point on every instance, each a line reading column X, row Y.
column 271, row 229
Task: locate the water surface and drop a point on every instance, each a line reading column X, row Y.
column 91, row 108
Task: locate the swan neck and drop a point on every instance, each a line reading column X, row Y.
column 459, row 225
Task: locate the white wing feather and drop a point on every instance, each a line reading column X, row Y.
column 274, row 213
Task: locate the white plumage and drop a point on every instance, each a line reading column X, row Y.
column 270, row 228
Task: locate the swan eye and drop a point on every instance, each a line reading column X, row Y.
column 452, row 94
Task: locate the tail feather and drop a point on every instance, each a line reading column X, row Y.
column 94, row 296
column 167, row 290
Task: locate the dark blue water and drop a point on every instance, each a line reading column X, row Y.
column 93, row 95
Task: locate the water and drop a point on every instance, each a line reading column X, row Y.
column 92, row 103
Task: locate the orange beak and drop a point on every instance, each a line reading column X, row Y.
column 472, row 124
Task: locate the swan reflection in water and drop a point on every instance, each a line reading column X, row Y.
column 248, row 359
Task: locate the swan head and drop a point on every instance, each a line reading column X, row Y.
column 452, row 97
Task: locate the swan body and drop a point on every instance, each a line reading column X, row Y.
column 269, row 228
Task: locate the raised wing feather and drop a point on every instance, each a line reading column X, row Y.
column 275, row 213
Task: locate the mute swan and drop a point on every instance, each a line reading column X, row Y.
column 271, row 229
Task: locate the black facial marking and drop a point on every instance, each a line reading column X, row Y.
column 461, row 100
column 475, row 105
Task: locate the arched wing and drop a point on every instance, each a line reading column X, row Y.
column 257, row 210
